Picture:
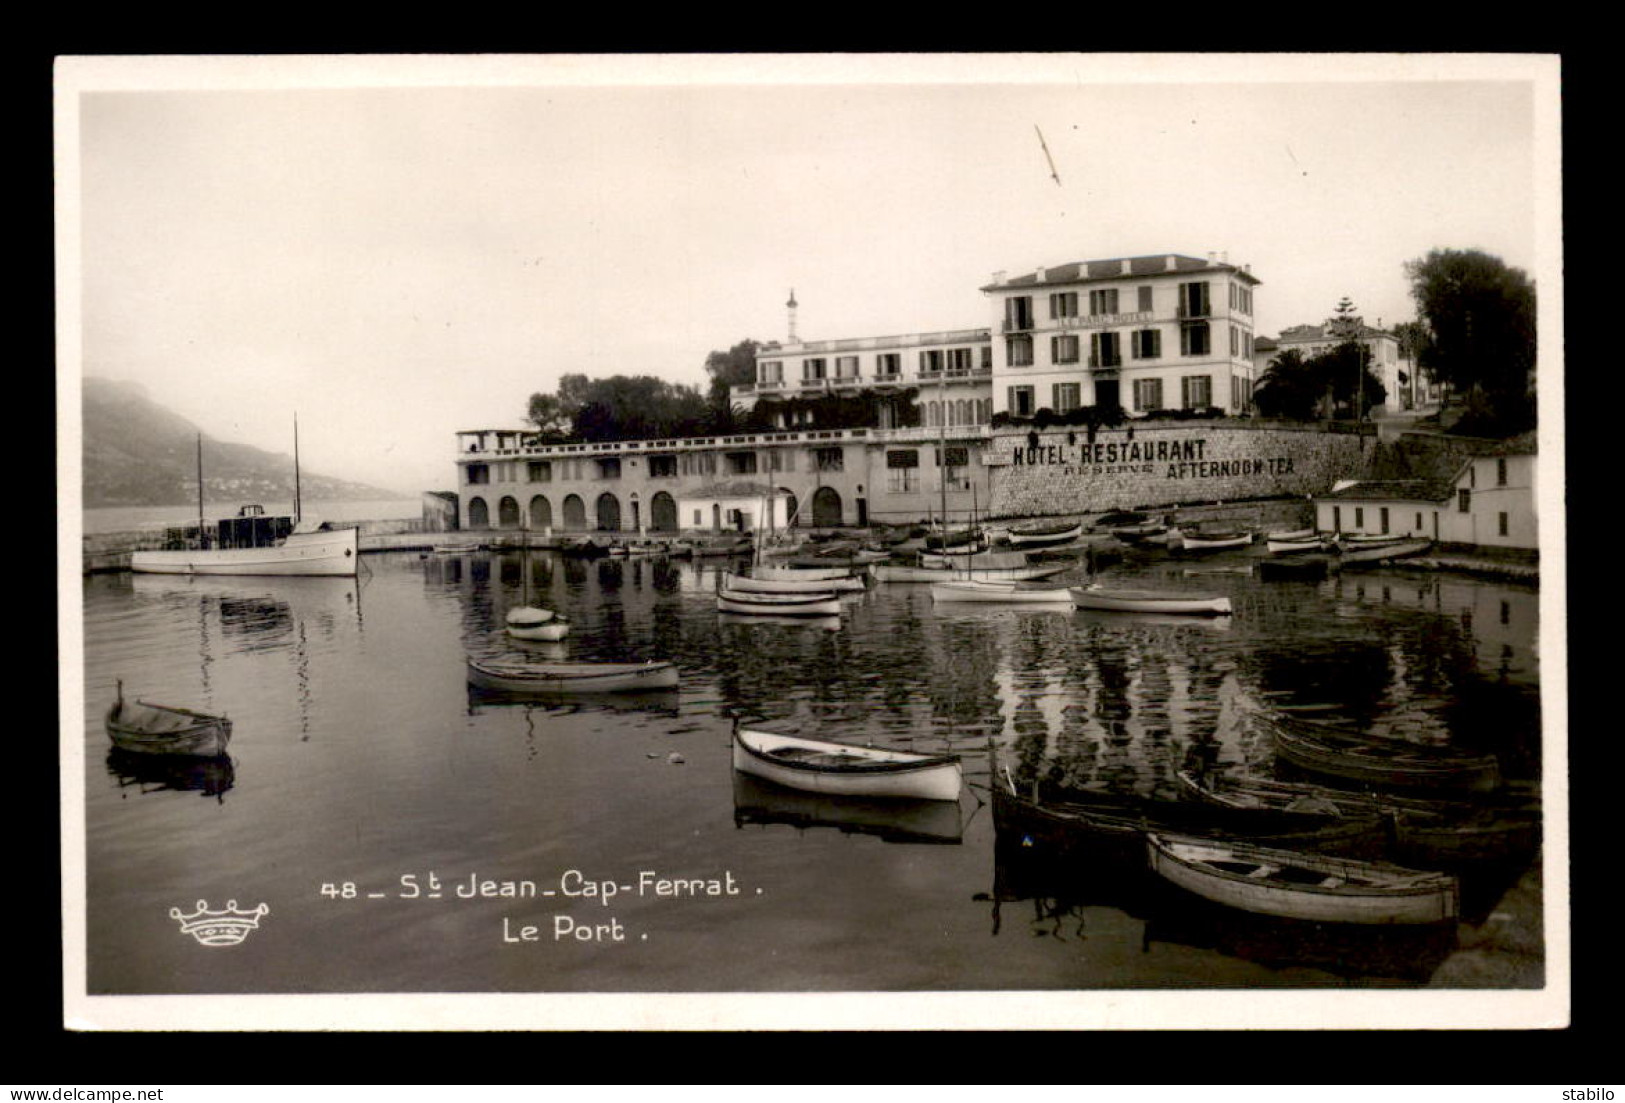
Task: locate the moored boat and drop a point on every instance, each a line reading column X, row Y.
column 984, row 559
column 892, row 572
column 1291, row 534
column 531, row 623
column 1345, row 753
column 1214, row 541
column 823, row 603
column 1294, row 885
column 848, row 769
column 141, row 728
column 1353, row 550
column 975, row 589
column 571, row 677
column 764, row 573
column 1150, row 601
column 1297, row 545
column 1063, row 820
column 1044, row 535
column 768, row 580
column 305, row 548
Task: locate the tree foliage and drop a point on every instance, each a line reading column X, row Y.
column 1299, row 388
column 730, row 369
column 1480, row 316
column 620, row 407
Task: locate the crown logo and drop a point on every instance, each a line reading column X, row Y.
column 221, row 928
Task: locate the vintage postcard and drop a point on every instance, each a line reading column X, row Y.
column 930, row 541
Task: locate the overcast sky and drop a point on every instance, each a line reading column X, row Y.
column 397, row 249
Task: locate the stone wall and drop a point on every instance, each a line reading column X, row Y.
column 1058, row 472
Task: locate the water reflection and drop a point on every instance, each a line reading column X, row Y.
column 209, row 777
column 759, row 803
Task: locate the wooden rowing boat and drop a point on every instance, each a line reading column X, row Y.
column 1297, row 545
column 571, row 677
column 1150, row 601
column 1353, row 550
column 1345, row 753
column 1293, row 885
column 763, row 573
column 818, row 603
column 972, row 589
column 1044, row 535
column 1065, row 820
column 142, row 728
column 754, row 582
column 845, row 769
column 1214, row 541
column 889, row 572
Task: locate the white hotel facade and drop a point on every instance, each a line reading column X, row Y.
column 1148, row 334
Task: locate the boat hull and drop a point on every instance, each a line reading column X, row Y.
column 818, row 604
column 1356, row 551
column 890, row 573
column 572, row 677
column 154, row 730
column 1332, row 753
column 1005, row 593
column 1038, row 538
column 1144, row 601
column 843, row 769
column 332, row 552
column 1297, row 886
column 776, row 584
column 555, row 629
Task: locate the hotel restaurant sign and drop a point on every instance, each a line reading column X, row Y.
column 1187, row 459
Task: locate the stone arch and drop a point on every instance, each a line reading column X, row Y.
column 507, row 512
column 663, row 513
column 575, row 513
column 541, row 512
column 826, row 507
column 609, row 512
column 479, row 514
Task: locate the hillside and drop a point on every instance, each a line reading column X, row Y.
column 137, row 453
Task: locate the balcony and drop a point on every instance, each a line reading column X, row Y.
column 1016, row 325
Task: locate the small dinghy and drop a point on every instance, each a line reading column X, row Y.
column 1346, row 753
column 755, row 582
column 1150, row 601
column 140, row 728
column 1291, row 885
column 531, row 623
column 570, row 677
column 1014, row 593
column 823, row 603
column 846, row 769
column 1214, row 541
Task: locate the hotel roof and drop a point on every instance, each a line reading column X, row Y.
column 1393, row 490
column 1161, row 264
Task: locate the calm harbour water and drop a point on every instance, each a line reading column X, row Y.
column 608, row 846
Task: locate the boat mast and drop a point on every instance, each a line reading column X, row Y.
column 297, row 516
column 202, row 540
column 942, row 453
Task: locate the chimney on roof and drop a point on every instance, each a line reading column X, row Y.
column 1126, row 266
column 1172, row 262
column 1038, row 274
column 998, row 277
column 1210, row 259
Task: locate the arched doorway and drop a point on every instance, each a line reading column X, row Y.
column 826, row 506
column 479, row 514
column 541, row 513
column 663, row 513
column 507, row 513
column 575, row 513
column 609, row 512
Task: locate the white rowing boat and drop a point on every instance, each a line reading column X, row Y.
column 847, row 769
column 975, row 589
column 1295, row 885
column 823, row 603
column 1150, row 601
column 571, row 677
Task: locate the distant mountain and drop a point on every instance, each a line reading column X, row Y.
column 137, row 453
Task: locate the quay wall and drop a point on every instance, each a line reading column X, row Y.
column 1059, row 472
